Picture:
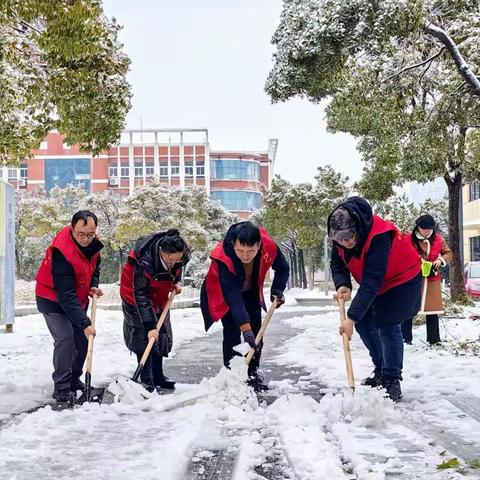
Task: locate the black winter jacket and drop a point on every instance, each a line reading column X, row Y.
column 146, row 249
column 231, row 283
column 393, row 306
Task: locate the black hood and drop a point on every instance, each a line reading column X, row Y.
column 361, row 211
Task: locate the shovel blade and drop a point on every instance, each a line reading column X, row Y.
column 92, row 395
column 127, row 391
column 242, row 348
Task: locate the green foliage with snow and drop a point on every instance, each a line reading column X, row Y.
column 155, row 207
column 398, row 76
column 61, row 67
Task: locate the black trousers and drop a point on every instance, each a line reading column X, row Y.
column 152, row 373
column 433, row 329
column 232, row 335
column 69, row 350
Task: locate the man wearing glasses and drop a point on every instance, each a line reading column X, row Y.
column 68, row 275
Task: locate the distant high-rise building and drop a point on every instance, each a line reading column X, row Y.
column 418, row 193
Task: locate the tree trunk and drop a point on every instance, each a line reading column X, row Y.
column 301, row 267
column 311, row 269
column 18, row 271
column 296, row 283
column 456, row 271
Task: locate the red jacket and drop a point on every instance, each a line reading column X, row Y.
column 217, row 306
column 403, row 260
column 159, row 289
column 83, row 268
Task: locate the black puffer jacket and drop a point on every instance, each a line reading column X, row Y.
column 139, row 319
column 393, row 306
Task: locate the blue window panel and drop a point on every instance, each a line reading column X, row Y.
column 62, row 171
column 235, row 170
column 238, row 200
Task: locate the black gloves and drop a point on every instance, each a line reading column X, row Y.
column 249, row 337
column 279, row 295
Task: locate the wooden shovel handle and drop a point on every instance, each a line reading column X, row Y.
column 151, row 341
column 260, row 333
column 93, row 313
column 346, row 344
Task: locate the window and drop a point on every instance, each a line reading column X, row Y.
column 235, row 170
column 475, row 249
column 175, row 171
column 149, row 171
column 238, row 200
column 163, row 170
column 63, row 171
column 189, row 168
column 12, row 173
column 113, row 171
column 138, row 172
column 474, row 190
column 200, row 170
column 124, row 172
column 23, row 171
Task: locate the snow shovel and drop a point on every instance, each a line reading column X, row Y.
column 244, row 348
column 95, row 394
column 147, row 351
column 346, row 346
column 130, row 390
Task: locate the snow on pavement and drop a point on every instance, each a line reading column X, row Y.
column 365, row 437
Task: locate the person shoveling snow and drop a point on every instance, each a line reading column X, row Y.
column 233, row 290
column 153, row 270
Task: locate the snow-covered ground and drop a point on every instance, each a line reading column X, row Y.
column 339, row 437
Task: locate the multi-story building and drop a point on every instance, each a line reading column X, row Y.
column 178, row 157
column 471, row 221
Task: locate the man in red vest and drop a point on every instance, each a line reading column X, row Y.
column 233, row 289
column 153, row 270
column 68, row 275
column 387, row 267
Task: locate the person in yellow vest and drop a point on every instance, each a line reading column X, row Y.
column 435, row 254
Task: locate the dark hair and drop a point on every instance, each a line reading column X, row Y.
column 246, row 233
column 172, row 242
column 84, row 215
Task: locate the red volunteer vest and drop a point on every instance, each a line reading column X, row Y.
column 160, row 289
column 82, row 266
column 403, row 260
column 217, row 305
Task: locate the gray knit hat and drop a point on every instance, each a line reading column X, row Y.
column 342, row 225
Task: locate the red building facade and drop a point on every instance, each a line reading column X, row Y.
column 178, row 157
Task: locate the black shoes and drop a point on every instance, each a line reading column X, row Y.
column 165, row 384
column 257, row 383
column 64, row 396
column 76, row 385
column 392, row 387
column 374, row 380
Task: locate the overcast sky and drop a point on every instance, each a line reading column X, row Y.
column 203, row 63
